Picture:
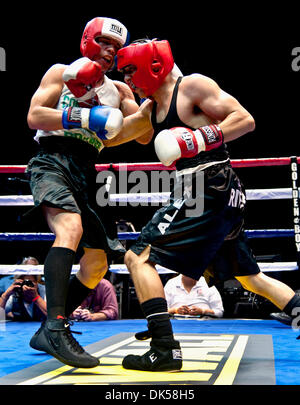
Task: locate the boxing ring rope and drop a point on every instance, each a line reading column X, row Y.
column 236, row 163
column 13, row 269
column 251, row 195
column 257, row 194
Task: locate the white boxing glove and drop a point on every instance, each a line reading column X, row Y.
column 179, row 142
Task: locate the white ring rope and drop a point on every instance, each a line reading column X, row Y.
column 13, row 269
column 255, row 194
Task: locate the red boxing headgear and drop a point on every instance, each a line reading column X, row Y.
column 101, row 26
column 153, row 61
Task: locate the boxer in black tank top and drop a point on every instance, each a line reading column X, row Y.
column 188, row 243
column 172, row 120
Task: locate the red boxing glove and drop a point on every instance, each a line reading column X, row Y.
column 179, row 142
column 82, row 75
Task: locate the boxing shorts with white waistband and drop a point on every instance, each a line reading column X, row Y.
column 201, row 224
column 62, row 174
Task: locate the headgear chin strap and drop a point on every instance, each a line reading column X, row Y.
column 99, row 26
column 153, row 61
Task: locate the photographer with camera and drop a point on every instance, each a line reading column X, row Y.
column 24, row 299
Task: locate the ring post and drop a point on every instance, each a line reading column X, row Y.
column 296, row 208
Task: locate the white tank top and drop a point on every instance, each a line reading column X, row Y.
column 106, row 94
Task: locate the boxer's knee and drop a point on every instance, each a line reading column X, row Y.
column 131, row 260
column 254, row 283
column 93, row 267
column 69, row 234
column 66, row 226
column 73, row 229
column 135, row 262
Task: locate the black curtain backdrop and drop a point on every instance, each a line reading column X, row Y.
column 247, row 50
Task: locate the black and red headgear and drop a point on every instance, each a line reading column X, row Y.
column 153, row 61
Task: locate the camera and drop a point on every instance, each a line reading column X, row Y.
column 18, row 290
column 29, row 283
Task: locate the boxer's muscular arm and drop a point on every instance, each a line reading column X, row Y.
column 103, row 120
column 136, row 125
column 128, row 103
column 42, row 113
column 233, row 119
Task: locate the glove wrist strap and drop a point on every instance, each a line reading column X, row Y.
column 75, row 117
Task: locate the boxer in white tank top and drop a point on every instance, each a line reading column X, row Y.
column 106, row 94
column 77, row 110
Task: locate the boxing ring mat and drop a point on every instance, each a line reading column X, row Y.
column 226, row 358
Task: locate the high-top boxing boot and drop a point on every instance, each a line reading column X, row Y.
column 55, row 338
column 165, row 353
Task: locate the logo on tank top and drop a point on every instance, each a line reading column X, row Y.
column 237, row 198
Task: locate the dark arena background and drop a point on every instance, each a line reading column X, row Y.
column 253, row 53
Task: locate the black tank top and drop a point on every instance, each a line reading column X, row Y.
column 172, row 120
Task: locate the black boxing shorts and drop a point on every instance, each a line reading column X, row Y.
column 63, row 175
column 188, row 240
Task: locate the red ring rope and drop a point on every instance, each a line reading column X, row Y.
column 283, row 161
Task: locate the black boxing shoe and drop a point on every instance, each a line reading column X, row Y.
column 35, row 336
column 55, row 338
column 164, row 355
column 144, row 335
column 282, row 317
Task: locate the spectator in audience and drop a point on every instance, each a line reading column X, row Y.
column 24, row 299
column 6, row 280
column 100, row 305
column 186, row 296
